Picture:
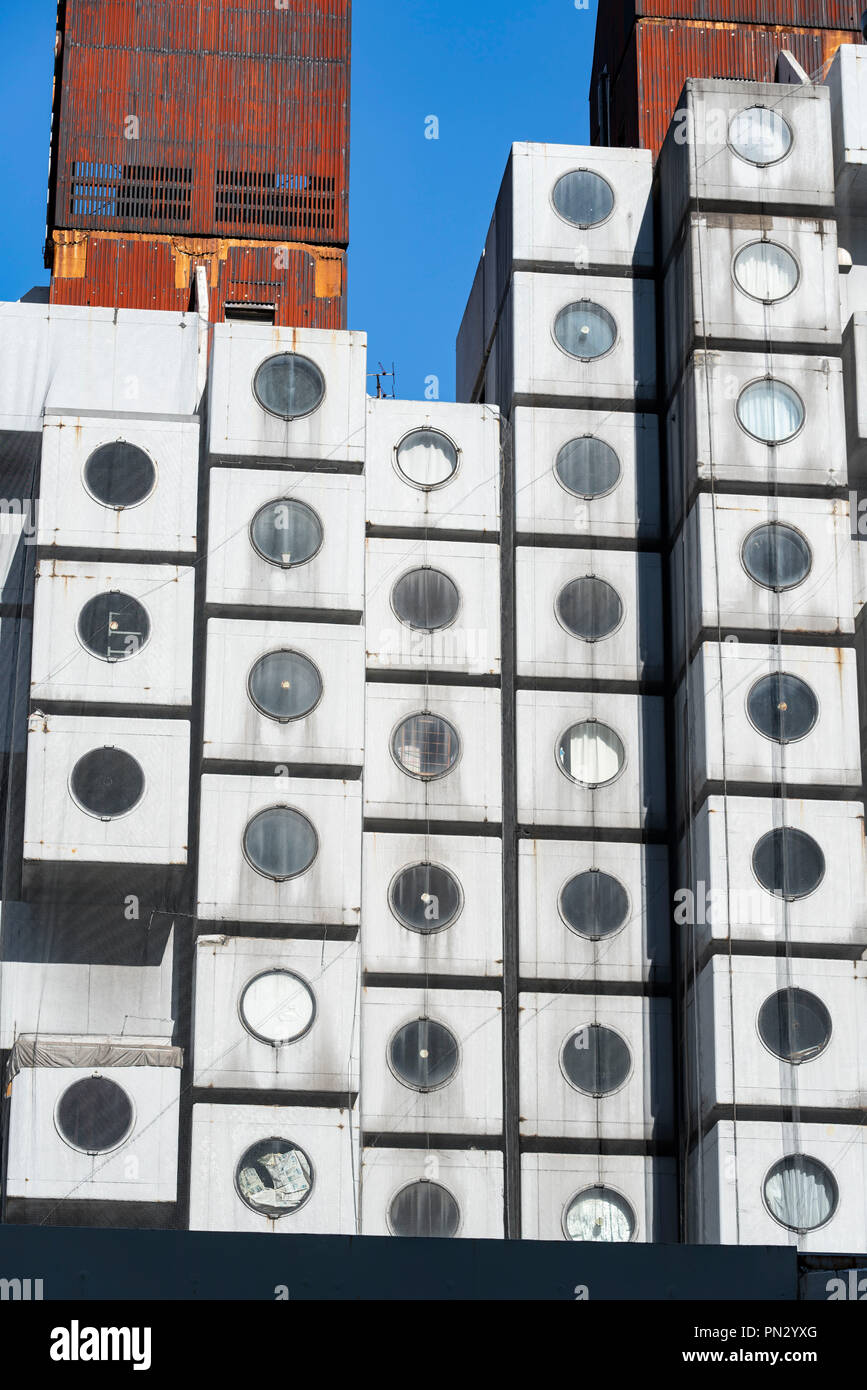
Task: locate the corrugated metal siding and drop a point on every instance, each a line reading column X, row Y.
column 242, row 111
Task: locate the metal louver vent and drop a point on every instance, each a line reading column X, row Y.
column 298, row 202
column 131, row 192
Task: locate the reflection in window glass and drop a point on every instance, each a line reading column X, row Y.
column 777, row 556
column 585, row 330
column 594, row 904
column 596, row 1060
column 760, row 135
column 107, row 782
column 280, row 843
column 801, row 1193
column 770, row 411
column 599, row 1214
column 275, row 1177
column 795, row 1025
column 590, row 753
column 426, row 599
column 424, row 1054
column 782, row 707
column 94, row 1114
column 424, row 1209
column 788, row 863
column 427, row 458
column 583, row 198
column 286, row 533
column 425, row 897
column 277, row 1007
column 588, row 467
column 113, row 626
column 425, row 745
column 289, row 386
column 284, row 685
column 120, row 475
column 589, row 608
column 766, row 271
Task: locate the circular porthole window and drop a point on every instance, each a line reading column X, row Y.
column 599, row 1214
column 585, row 330
column 596, row 1060
column 424, row 1054
column 583, row 198
column 280, row 843
column 594, row 904
column 425, row 746
column 425, row 898
column 424, row 1209
column 788, row 863
column 590, row 753
column 426, row 459
column 801, row 1193
column 770, row 411
column 284, row 686
column 794, row 1025
column 782, row 707
column 289, row 386
column 113, row 626
column 766, row 271
column 120, row 475
column 274, row 1178
column 94, row 1115
column 760, row 135
column 426, row 600
column 587, row 467
column 277, row 1007
column 286, row 533
column 589, row 608
column 107, row 783
column 777, row 556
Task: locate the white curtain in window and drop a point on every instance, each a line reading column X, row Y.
column 591, row 753
column 427, row 458
column 801, row 1194
column 597, row 1216
column 771, row 410
column 766, row 271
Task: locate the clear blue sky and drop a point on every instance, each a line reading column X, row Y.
column 491, row 73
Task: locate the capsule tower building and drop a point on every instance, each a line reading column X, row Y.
column 426, row 818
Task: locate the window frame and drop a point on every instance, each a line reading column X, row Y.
column 111, row 506
column 260, row 1037
column 276, row 415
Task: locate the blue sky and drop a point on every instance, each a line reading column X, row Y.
column 490, row 73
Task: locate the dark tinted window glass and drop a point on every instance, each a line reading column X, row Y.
column 583, row 198
column 585, row 330
column 594, row 904
column 782, row 707
column 789, row 863
column 285, row 685
column 426, row 599
column 425, row 897
column 280, row 843
column 289, row 386
column 777, row 556
column 424, row 1054
column 94, row 1114
column 424, row 1209
column 113, row 626
column 589, row 608
column 120, row 474
column 588, row 467
column 107, row 782
column 596, row 1060
column 795, row 1025
column 286, row 533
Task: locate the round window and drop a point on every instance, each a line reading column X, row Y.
column 599, row 1214
column 274, row 1178
column 424, row 1209
column 284, row 685
column 425, row 746
column 583, row 198
column 280, row 843
column 782, row 707
column 596, row 1060
column 585, row 330
column 425, row 898
column 594, row 904
column 770, row 411
column 107, row 783
column 801, row 1193
column 426, row 599
column 113, row 626
column 94, row 1115
column 286, row 533
column 587, row 467
column 120, row 475
column 589, row 608
column 424, row 1054
column 277, row 1007
column 777, row 556
column 766, row 271
column 289, row 386
column 788, row 863
column 760, row 135
column 794, row 1025
column 427, row 459
column 591, row 753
